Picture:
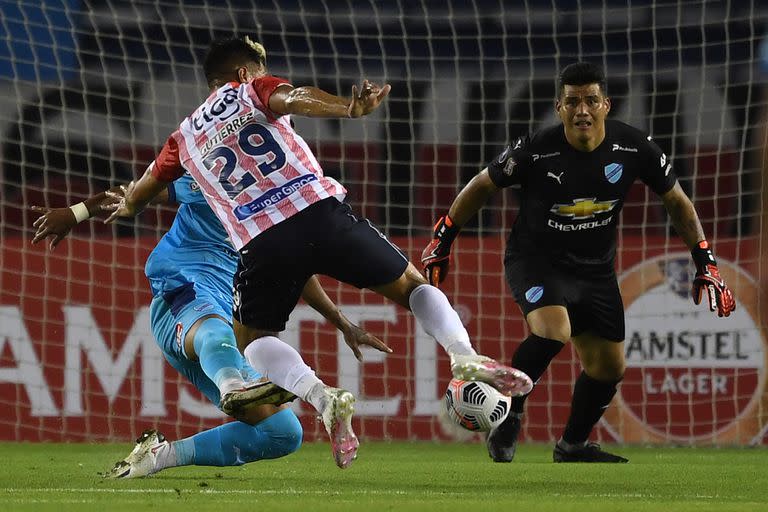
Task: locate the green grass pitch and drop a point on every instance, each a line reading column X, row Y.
column 391, row 476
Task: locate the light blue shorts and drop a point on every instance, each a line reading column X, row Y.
column 171, row 317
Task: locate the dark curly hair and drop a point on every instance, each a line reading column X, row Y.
column 226, row 55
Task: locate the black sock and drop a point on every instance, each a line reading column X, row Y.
column 533, row 357
column 590, row 397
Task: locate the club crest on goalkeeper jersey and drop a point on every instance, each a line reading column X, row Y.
column 570, row 200
column 253, row 168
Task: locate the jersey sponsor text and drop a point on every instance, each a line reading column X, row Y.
column 273, row 196
column 579, row 227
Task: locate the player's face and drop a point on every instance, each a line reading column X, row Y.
column 583, row 109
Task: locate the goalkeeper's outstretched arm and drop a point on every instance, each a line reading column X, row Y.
column 688, row 226
column 435, row 258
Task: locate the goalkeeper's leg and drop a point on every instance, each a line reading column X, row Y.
column 603, row 362
column 532, row 356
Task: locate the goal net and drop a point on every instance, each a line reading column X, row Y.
column 90, row 89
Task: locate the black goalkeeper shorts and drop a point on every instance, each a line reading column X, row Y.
column 325, row 238
column 592, row 299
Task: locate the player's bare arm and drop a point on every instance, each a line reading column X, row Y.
column 436, row 256
column 314, row 102
column 686, row 222
column 56, row 223
column 354, row 336
column 471, row 198
column 683, row 216
column 138, row 195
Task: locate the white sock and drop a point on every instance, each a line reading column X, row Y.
column 165, row 457
column 228, row 379
column 317, row 396
column 281, row 364
column 437, row 317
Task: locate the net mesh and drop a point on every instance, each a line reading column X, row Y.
column 89, row 91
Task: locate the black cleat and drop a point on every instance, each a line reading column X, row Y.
column 590, row 453
column 502, row 441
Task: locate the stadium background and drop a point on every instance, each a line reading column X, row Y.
column 89, row 90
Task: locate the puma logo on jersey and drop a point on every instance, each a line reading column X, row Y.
column 554, row 176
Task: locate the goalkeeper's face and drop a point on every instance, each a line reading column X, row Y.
column 583, row 109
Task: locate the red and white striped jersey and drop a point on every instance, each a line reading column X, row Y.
column 253, row 168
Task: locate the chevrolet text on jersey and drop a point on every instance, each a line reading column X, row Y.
column 579, row 227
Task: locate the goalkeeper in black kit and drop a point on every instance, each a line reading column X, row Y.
column 559, row 260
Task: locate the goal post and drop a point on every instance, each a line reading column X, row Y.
column 90, row 90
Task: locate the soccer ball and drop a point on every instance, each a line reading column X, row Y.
column 476, row 406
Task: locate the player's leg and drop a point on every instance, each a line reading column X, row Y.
column 437, row 317
column 266, row 432
column 539, row 291
column 284, row 366
column 212, row 341
column 377, row 264
column 263, row 431
column 603, row 368
column 201, row 329
column 192, row 322
column 272, row 271
column 601, row 351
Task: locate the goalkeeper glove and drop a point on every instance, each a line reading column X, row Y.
column 437, row 255
column 708, row 277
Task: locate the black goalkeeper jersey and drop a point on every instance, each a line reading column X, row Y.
column 570, row 200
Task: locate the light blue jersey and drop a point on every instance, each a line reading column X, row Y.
column 190, row 272
column 196, row 248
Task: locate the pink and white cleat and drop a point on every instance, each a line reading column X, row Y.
column 507, row 380
column 337, row 418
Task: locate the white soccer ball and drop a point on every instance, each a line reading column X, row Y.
column 476, row 406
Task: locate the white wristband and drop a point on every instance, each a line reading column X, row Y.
column 81, row 212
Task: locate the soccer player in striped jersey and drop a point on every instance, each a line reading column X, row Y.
column 190, row 272
column 286, row 218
